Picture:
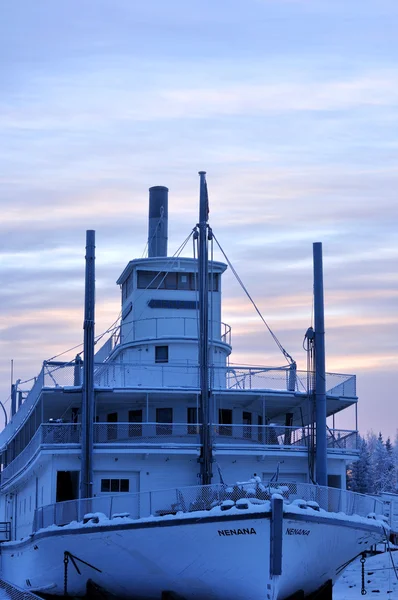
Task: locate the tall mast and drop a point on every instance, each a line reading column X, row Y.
column 206, row 457
column 320, row 372
column 86, row 476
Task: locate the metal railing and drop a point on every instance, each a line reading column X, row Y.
column 183, row 433
column 280, row 435
column 157, row 327
column 47, row 434
column 14, row 592
column 22, row 460
column 202, row 498
column 130, row 435
column 186, row 375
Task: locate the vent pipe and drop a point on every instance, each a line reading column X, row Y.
column 157, row 223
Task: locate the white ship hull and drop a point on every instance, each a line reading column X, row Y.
column 197, row 557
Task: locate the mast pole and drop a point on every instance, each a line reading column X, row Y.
column 320, row 371
column 206, row 457
column 86, row 477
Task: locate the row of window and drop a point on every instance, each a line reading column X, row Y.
column 164, row 420
column 155, row 280
column 115, row 485
column 160, row 280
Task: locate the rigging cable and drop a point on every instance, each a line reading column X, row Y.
column 287, row 356
column 154, row 232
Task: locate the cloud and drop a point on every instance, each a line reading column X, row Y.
column 292, row 110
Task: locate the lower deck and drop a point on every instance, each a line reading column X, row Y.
column 53, row 475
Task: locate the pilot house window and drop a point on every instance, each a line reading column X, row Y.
column 161, row 354
column 161, row 280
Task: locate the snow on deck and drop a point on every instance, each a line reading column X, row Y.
column 380, row 579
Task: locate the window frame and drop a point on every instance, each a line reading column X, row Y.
column 161, row 360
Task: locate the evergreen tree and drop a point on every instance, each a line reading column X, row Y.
column 380, row 466
column 376, row 470
column 359, row 475
column 391, row 469
column 371, row 441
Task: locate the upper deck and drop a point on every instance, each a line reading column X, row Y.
column 255, row 410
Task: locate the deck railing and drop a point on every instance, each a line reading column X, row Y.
column 186, row 375
column 180, row 435
column 189, row 499
column 222, row 434
column 46, row 436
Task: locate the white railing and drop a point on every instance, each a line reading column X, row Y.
column 186, row 375
column 231, row 434
column 47, row 434
column 191, row 499
column 22, row 460
column 157, row 327
column 130, row 435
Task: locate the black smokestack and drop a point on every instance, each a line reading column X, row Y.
column 158, row 220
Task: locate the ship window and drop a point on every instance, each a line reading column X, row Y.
column 183, row 281
column 161, row 354
column 247, row 422
column 260, row 429
column 111, row 430
column 165, row 417
column 193, row 281
column 135, row 418
column 151, row 280
column 155, row 280
column 115, row 485
column 74, row 414
column 170, row 282
column 214, row 287
column 225, row 421
column 192, row 419
column 105, row 485
column 124, row 485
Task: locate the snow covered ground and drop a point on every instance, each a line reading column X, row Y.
column 380, row 579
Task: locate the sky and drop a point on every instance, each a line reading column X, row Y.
column 291, row 106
